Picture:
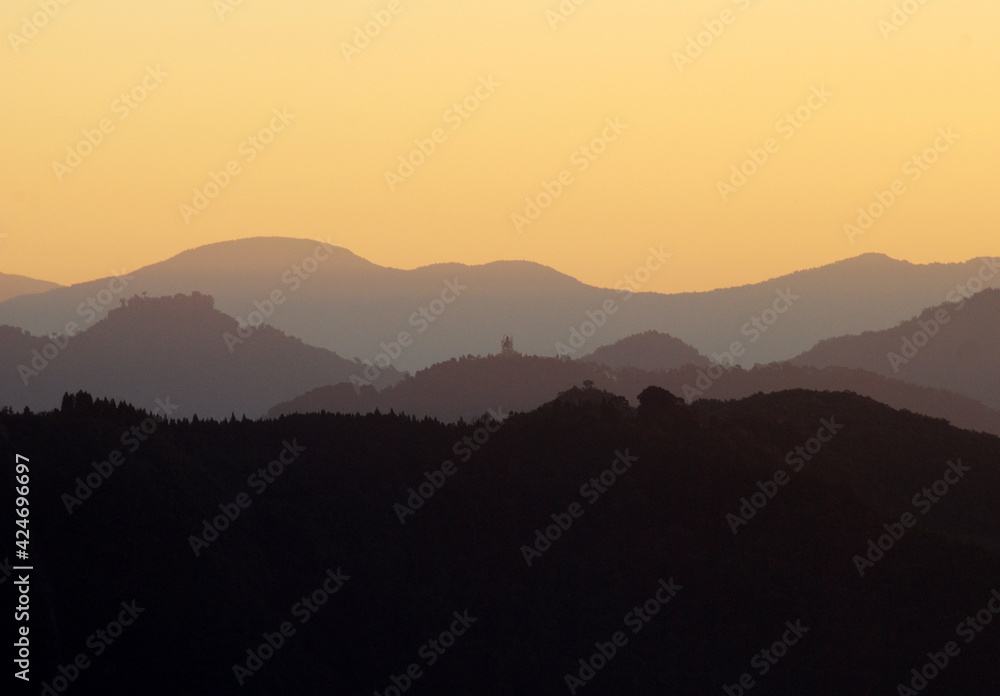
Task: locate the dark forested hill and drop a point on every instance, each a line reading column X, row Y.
column 672, row 548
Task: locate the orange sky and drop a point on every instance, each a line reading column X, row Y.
column 506, row 100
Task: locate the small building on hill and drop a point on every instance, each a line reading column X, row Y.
column 507, row 347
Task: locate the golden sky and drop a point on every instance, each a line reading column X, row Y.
column 507, row 99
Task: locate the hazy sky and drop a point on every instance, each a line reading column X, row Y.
column 504, row 97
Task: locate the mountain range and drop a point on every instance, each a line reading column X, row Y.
column 466, row 388
column 844, row 493
column 184, row 348
column 120, row 344
column 331, row 298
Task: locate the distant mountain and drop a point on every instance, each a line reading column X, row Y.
column 15, row 286
column 332, row 298
column 178, row 347
column 951, row 346
column 650, row 350
column 468, row 387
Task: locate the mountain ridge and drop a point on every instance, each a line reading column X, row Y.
column 182, row 347
column 951, row 345
column 539, row 306
column 12, row 285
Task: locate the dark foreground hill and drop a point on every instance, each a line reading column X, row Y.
column 178, row 347
column 379, row 550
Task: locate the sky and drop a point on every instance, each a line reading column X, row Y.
column 747, row 138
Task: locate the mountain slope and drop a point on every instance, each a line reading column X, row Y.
column 334, row 299
column 174, row 346
column 961, row 411
column 950, row 346
column 15, row 286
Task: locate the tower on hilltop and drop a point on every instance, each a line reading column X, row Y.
column 507, row 346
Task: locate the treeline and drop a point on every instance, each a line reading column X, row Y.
column 655, row 487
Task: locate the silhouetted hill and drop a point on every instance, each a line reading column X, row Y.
column 695, row 383
column 179, row 347
column 950, row 346
column 16, row 285
column 334, row 299
column 467, row 387
column 612, row 404
column 650, row 350
column 646, row 501
column 464, row 387
column 876, row 431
